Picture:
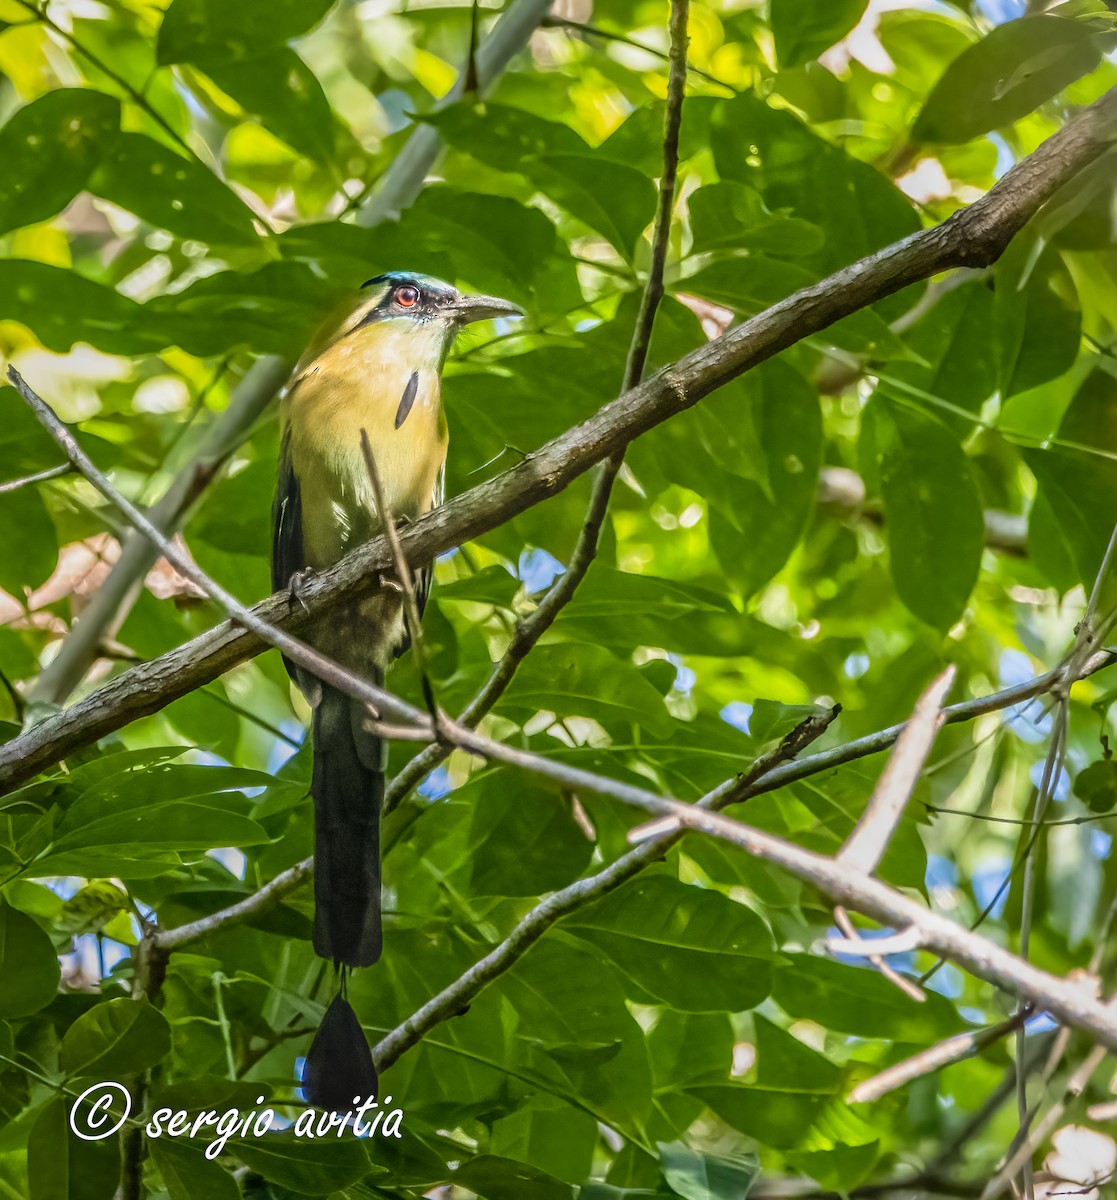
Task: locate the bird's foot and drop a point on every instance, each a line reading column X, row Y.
column 297, row 585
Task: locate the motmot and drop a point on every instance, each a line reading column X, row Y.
column 377, row 369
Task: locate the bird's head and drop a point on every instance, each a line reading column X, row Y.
column 405, row 315
column 409, row 296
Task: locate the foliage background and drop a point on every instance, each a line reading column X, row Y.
column 932, row 482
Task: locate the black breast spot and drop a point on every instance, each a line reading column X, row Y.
column 407, row 399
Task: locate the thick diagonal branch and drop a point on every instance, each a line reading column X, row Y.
column 973, row 236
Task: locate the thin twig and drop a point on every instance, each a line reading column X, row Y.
column 262, row 901
column 875, row 951
column 952, row 1050
column 867, row 843
column 13, row 485
column 553, row 21
column 404, row 577
column 1021, row 1160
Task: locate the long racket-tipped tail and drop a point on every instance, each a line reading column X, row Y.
column 338, row 1074
column 348, row 791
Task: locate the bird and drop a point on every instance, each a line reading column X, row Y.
column 376, row 368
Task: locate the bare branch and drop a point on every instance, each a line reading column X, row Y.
column 973, row 236
column 867, row 843
column 876, row 949
column 952, row 1050
column 262, row 901
column 13, row 485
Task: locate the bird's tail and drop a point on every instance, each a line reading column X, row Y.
column 348, row 791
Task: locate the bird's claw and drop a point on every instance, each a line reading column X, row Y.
column 297, row 584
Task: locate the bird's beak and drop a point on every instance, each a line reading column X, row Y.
column 467, row 309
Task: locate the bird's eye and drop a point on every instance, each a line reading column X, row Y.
column 407, row 296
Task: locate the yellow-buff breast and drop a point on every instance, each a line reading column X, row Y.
column 383, row 378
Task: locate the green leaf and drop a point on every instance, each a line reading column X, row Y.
column 280, row 89
column 116, row 1038
column 29, row 540
column 502, row 136
column 540, row 848
column 212, row 31
column 1038, row 322
column 570, row 1013
column 188, row 1175
column 731, row 215
column 689, row 947
column 607, row 592
column 791, row 1088
column 840, row 1148
column 1077, row 489
column 696, row 1175
column 1010, row 72
column 795, row 169
column 932, row 510
column 49, row 148
column 61, row 1166
column 548, row 1134
column 578, row 680
column 168, row 806
column 860, row 1001
column 754, row 529
column 803, row 29
column 316, row 1167
column 959, row 357
column 28, row 965
column 612, row 198
column 171, row 191
column 270, row 310
column 690, row 1048
column 1097, row 785
column 92, row 907
column 491, row 585
column 62, row 307
column 504, row 1179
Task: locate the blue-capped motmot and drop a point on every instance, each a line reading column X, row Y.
column 379, row 369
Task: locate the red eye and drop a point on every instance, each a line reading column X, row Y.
column 407, row 296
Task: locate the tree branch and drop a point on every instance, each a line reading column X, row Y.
column 870, row 837
column 976, row 235
column 13, row 485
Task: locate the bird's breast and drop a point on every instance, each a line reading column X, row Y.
column 384, row 382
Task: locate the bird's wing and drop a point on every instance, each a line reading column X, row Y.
column 287, row 555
